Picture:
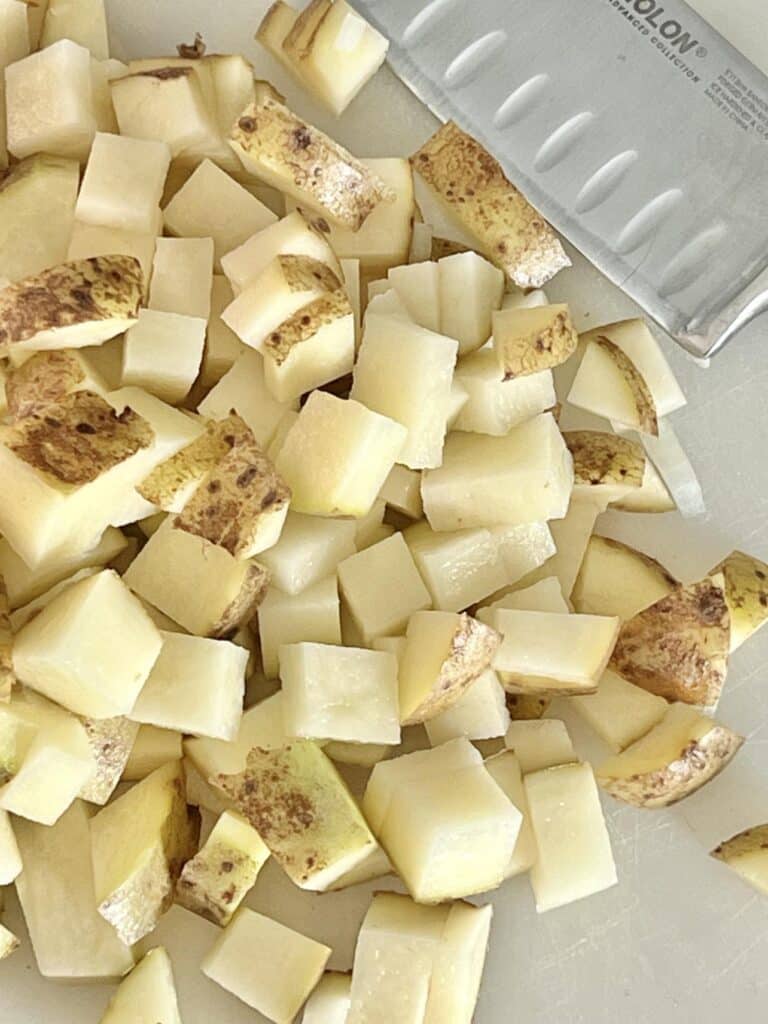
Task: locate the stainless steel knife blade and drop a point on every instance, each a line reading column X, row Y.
column 632, row 125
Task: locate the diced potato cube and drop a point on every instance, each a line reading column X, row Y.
column 152, row 749
column 459, row 568
column 340, row 693
column 123, row 183
column 162, row 353
column 470, row 290
column 479, row 714
column 198, row 584
column 614, row 579
column 540, row 744
column 619, row 712
column 402, row 492
column 222, row 345
column 337, row 456
column 93, row 240
column 111, row 741
column 574, row 852
column 217, row 879
column 367, row 529
column 71, row 941
column 212, row 205
column 571, row 536
column 91, row 649
column 444, row 654
column 182, row 275
column 487, row 481
column 244, row 390
column 418, row 288
column 301, row 808
column 494, row 406
column 405, row 372
column 261, row 726
column 329, row 1003
column 196, row 686
column 83, row 21
column 149, row 988
column 458, row 965
column 544, row 596
column 49, row 102
column 139, row 844
column 310, row 549
column 609, row 385
column 527, row 341
column 504, row 769
column 278, row 981
column 311, row 615
column 382, row 588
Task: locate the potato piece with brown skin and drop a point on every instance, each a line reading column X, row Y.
column 747, row 855
column 615, row 579
column 605, row 466
column 677, row 757
column 746, row 594
column 242, row 503
column 474, row 188
column 678, row 648
column 276, row 145
column 46, row 378
column 644, row 414
column 71, row 305
column 529, row 340
column 111, row 741
column 525, row 707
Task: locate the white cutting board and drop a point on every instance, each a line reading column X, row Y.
column 680, row 938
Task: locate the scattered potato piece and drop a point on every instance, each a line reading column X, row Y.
column 278, row 981
column 529, row 340
column 459, row 567
column 544, row 596
column 542, row 744
column 261, row 726
column 149, row 988
column 313, row 615
column 471, row 188
column 609, row 384
column 309, row 550
column 162, row 353
column 494, row 406
column 182, row 276
column 480, row 714
column 152, row 749
column 678, row 756
column 111, row 741
column 678, row 647
column 504, row 769
column 651, row 496
column 524, row 547
column 571, row 535
column 470, row 291
column 619, row 712
column 606, row 467
column 402, row 491
column 747, row 854
column 746, row 594
column 243, row 390
column 91, row 240
column 615, row 579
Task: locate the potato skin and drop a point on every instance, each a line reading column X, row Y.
column 646, row 407
column 749, row 841
column 601, row 458
column 746, row 593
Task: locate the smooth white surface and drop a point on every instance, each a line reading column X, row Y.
column 680, row 938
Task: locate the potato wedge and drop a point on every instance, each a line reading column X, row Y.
column 528, row 341
column 609, row 384
column 615, row 579
column 746, row 594
column 677, row 757
column 678, row 647
column 747, row 854
column 150, row 988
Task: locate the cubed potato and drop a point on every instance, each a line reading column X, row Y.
column 451, row 835
column 329, row 1003
column 244, row 390
column 545, row 652
column 574, row 852
column 222, row 345
column 273, row 28
column 164, row 103
column 471, row 290
column 198, row 584
column 395, row 955
column 218, row 878
column 182, row 276
column 367, row 529
column 312, row 615
column 83, row 21
column 21, row 616
column 678, row 756
column 529, row 340
column 89, row 240
column 233, row 85
column 162, row 353
column 16, row 42
column 494, row 406
column 471, row 190
column 544, row 596
column 309, row 550
column 111, row 741
column 72, row 305
column 459, row 567
column 458, row 965
column 10, row 858
column 340, row 693
column 37, row 209
column 123, row 183
column 101, row 97
column 278, row 981
column 524, row 547
column 444, row 654
column 211, row 204
column 402, row 492
column 335, row 52
column 746, row 593
column 418, row 287
column 49, row 102
column 382, row 588
column 504, row 769
column 70, row 940
column 619, row 712
column 337, row 456
column 49, row 759
column 542, row 744
column 571, row 536
column 196, row 686
column 139, row 844
column 293, row 156
column 609, row 384
column 150, row 989
column 405, row 372
column 479, row 714
column 524, row 477
column 615, row 579
column 152, row 749
column 747, row 855
column 261, row 726
column 91, row 649
column 293, row 235
column 383, row 239
column 301, row 808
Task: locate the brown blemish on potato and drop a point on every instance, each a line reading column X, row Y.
column 252, row 592
column 746, row 592
column 646, row 408
column 305, row 324
column 542, row 349
column 164, row 74
column 42, row 380
column 600, row 458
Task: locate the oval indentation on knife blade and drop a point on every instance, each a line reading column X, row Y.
column 426, row 20
column 473, row 59
column 647, row 220
column 562, row 141
column 604, row 182
column 521, row 102
column 691, row 261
